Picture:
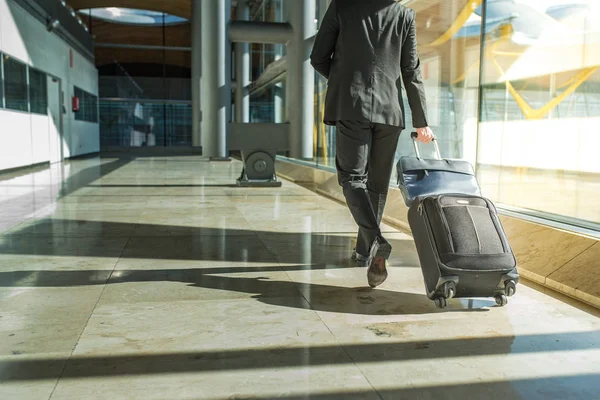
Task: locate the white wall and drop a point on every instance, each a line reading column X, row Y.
column 24, row 138
column 569, row 144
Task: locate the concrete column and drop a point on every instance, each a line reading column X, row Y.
column 196, row 71
column 216, row 82
column 301, row 78
column 242, row 69
column 278, row 100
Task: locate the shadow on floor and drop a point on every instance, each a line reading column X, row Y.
column 556, row 387
column 171, row 186
column 321, row 297
column 82, row 238
column 313, row 356
column 295, row 251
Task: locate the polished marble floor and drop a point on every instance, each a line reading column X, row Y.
column 157, row 278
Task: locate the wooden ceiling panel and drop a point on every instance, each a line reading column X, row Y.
column 180, row 8
column 175, row 35
column 105, row 56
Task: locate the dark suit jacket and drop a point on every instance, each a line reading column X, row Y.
column 364, row 48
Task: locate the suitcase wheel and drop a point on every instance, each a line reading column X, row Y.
column 440, row 302
column 449, row 290
column 501, row 300
column 510, row 288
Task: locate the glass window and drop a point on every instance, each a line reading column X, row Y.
column 133, row 16
column 125, row 123
column 538, row 137
column 1, row 81
column 88, row 106
column 79, row 114
column 15, row 84
column 38, row 91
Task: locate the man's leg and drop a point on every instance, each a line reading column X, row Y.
column 384, row 143
column 381, row 158
column 352, row 161
column 381, row 165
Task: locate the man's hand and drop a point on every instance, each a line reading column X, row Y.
column 425, row 135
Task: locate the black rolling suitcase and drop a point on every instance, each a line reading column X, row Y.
column 462, row 247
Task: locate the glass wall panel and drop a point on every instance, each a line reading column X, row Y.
column 88, row 106
column 1, row 81
column 15, row 84
column 538, row 135
column 38, row 91
column 145, row 124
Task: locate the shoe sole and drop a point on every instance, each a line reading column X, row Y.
column 376, row 279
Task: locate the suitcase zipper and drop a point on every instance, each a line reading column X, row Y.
column 440, row 209
column 498, row 226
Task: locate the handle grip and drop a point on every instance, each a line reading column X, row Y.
column 415, row 135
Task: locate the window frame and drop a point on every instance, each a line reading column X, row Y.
column 37, row 70
column 88, row 106
column 3, row 99
column 6, row 57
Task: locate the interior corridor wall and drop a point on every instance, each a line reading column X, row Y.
column 24, row 137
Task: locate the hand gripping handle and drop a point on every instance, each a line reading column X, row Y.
column 414, row 136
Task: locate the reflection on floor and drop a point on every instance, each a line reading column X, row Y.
column 156, row 278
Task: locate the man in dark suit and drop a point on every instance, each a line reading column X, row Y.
column 366, row 49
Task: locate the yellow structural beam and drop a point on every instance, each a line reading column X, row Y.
column 505, row 31
column 319, row 128
column 532, row 113
column 315, row 127
column 464, row 74
column 508, row 53
column 323, row 131
column 529, row 112
column 458, row 23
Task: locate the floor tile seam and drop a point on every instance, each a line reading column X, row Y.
column 566, row 263
column 174, row 302
column 88, row 320
column 296, row 284
column 67, row 235
column 281, row 267
column 274, row 257
column 343, row 347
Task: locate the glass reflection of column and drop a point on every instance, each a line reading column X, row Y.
column 196, row 70
column 278, row 92
column 242, row 74
column 306, row 255
column 320, row 143
column 215, row 79
column 301, row 78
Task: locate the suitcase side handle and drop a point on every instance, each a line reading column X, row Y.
column 414, row 136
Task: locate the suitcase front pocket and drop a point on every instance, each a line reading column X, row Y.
column 471, row 229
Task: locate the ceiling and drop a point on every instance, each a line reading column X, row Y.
column 180, row 8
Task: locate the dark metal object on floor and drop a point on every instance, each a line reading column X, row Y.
column 259, row 144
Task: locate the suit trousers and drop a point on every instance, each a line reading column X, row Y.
column 364, row 160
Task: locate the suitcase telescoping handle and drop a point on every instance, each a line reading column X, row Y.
column 414, row 136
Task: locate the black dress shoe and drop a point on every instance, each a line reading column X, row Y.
column 378, row 262
column 377, row 272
